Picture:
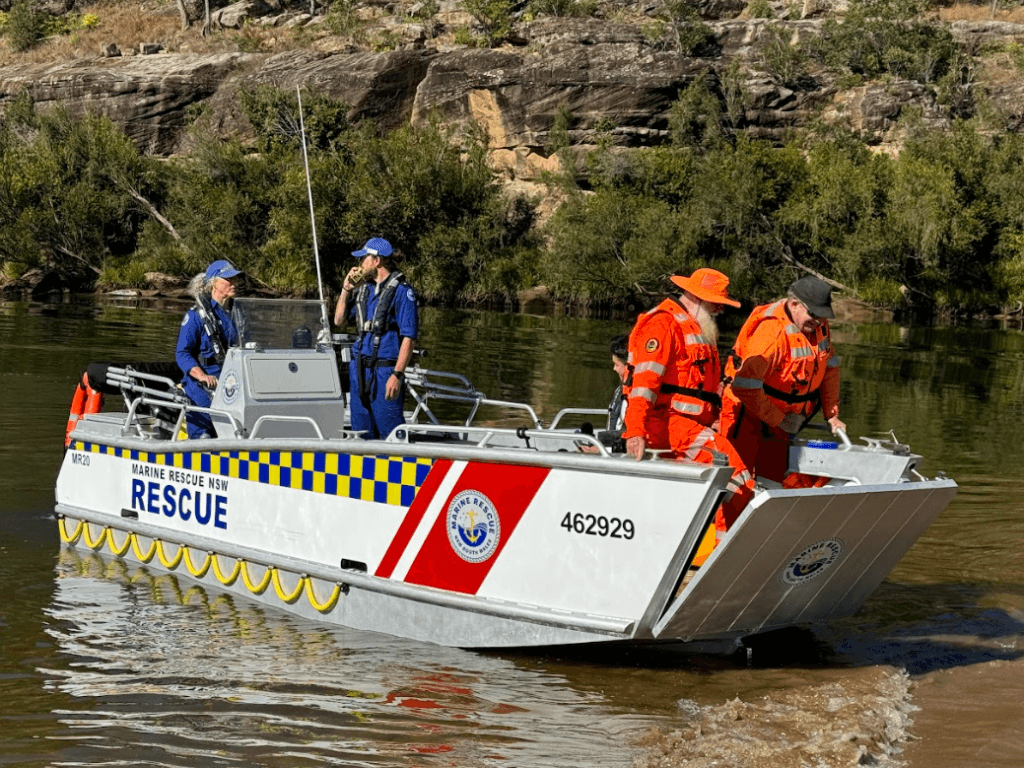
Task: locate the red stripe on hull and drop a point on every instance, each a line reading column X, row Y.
column 510, row 489
column 413, row 516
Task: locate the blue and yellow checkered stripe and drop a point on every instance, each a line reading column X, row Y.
column 383, row 479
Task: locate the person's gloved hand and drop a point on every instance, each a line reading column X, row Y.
column 792, row 423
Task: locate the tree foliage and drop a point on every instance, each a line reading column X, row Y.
column 66, row 189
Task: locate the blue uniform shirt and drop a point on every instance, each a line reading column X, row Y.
column 193, row 342
column 402, row 313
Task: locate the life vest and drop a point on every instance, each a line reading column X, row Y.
column 798, row 381
column 212, row 327
column 688, row 383
column 376, row 327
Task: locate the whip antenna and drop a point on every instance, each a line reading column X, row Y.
column 312, row 219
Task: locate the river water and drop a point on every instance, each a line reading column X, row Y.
column 100, row 665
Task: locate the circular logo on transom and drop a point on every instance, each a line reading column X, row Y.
column 473, row 526
column 812, row 562
column 230, row 387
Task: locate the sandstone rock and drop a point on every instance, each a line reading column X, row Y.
column 875, row 109
column 148, row 49
column 973, row 32
column 164, row 284
column 234, row 16
column 109, row 50
column 146, row 95
column 297, row 20
column 378, row 86
column 517, row 97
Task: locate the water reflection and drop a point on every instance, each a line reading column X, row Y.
column 193, row 675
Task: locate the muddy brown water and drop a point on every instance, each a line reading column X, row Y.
column 103, row 665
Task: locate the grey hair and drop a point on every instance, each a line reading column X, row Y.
column 200, row 286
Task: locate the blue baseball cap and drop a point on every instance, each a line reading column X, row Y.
column 222, row 268
column 375, row 246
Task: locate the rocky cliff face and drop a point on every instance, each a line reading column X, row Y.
column 607, row 75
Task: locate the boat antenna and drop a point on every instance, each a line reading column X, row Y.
column 312, row 219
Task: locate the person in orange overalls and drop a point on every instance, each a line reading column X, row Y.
column 676, row 376
column 784, row 369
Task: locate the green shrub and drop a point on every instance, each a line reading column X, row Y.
column 495, row 16
column 785, row 62
column 24, row 27
column 562, row 8
column 695, row 119
column 879, row 37
column 68, row 189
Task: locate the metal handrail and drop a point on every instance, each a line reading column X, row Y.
column 132, row 416
column 487, row 433
column 577, row 412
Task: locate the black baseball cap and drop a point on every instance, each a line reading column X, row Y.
column 814, row 294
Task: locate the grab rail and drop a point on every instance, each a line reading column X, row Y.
column 132, row 416
column 577, row 412
column 486, row 434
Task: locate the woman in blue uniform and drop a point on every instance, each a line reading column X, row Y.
column 383, row 306
column 206, row 333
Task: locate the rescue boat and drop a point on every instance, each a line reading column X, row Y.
column 459, row 533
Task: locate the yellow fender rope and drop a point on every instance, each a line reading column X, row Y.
column 143, row 558
column 256, row 590
column 65, row 536
column 227, row 581
column 112, row 542
column 197, row 572
column 87, row 540
column 322, row 607
column 272, row 575
column 163, row 560
column 280, row 591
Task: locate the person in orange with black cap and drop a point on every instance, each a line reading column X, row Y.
column 784, row 369
column 676, row 376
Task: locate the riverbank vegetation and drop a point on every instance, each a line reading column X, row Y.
column 940, row 227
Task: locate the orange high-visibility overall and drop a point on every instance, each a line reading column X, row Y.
column 780, row 371
column 676, row 373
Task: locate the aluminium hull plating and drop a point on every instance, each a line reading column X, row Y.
column 474, row 547
column 460, row 547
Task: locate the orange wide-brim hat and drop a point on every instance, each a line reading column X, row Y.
column 707, row 285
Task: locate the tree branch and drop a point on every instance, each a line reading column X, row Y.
column 151, row 209
column 788, row 257
column 66, row 252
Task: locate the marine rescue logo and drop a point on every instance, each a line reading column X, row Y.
column 812, row 562
column 473, row 526
column 230, row 387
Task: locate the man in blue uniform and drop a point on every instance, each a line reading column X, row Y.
column 206, row 333
column 383, row 306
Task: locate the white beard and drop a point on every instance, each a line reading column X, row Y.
column 707, row 324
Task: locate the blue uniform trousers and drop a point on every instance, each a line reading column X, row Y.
column 198, row 424
column 384, row 415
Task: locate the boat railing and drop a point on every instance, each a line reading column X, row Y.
column 484, row 437
column 423, row 387
column 577, row 412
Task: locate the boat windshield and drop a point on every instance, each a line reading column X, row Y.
column 277, row 323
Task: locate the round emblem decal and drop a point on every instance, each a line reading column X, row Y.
column 812, row 562
column 652, row 345
column 229, row 385
column 473, row 526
